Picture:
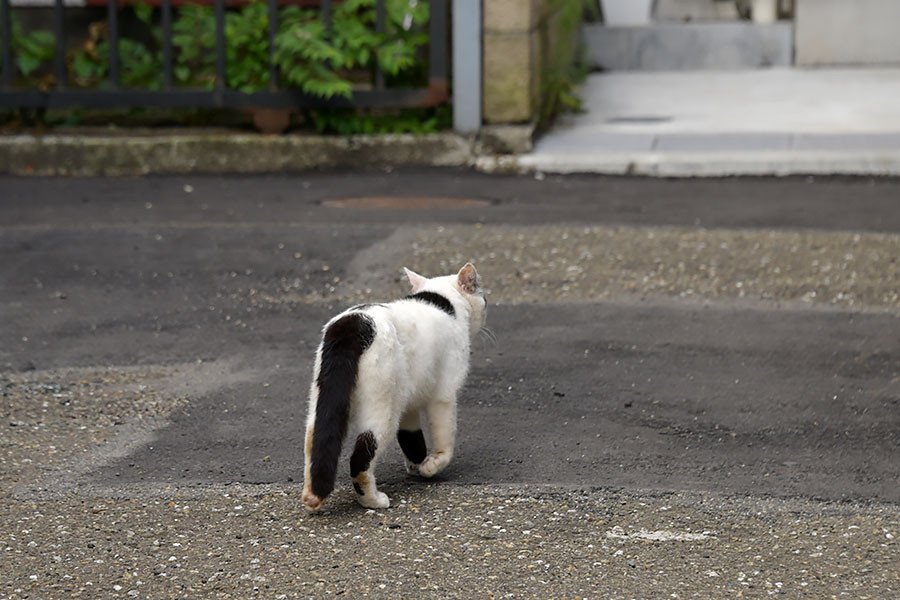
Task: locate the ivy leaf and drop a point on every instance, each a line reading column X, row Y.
column 27, row 63
column 144, row 12
column 182, row 72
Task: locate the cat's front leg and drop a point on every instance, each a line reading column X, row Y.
column 442, row 426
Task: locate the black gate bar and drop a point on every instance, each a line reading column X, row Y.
column 380, row 18
column 59, row 56
column 221, row 82
column 326, row 15
column 112, row 24
column 6, row 32
column 273, row 30
column 166, row 17
column 437, row 40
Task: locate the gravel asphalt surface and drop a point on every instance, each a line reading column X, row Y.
column 694, row 393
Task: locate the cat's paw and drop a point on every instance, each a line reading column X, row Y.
column 412, row 468
column 376, row 500
column 312, row 502
column 433, row 465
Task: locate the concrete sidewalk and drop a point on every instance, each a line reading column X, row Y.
column 715, row 123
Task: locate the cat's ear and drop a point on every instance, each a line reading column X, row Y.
column 415, row 280
column 468, row 279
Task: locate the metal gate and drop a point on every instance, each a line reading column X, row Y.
column 171, row 95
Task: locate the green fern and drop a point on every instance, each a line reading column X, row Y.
column 309, row 57
column 31, row 49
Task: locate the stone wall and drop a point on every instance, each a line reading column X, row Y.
column 524, row 40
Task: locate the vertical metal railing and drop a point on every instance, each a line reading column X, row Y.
column 273, row 31
column 220, row 45
column 59, row 32
column 437, row 42
column 112, row 26
column 380, row 22
column 166, row 22
column 6, row 52
column 326, row 15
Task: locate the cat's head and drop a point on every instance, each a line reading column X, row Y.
column 466, row 284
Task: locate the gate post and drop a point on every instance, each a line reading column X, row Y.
column 466, row 65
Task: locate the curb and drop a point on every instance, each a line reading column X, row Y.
column 715, row 164
column 97, row 155
column 149, row 152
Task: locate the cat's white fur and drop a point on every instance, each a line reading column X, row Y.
column 414, row 368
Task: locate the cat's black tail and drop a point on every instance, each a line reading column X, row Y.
column 344, row 342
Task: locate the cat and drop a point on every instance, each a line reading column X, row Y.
column 378, row 370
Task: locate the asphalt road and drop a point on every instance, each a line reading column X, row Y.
column 157, row 337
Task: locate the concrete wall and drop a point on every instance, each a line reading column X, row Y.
column 690, row 46
column 848, row 32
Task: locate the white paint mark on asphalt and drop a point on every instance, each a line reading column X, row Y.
column 661, row 535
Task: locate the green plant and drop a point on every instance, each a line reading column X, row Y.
column 306, row 57
column 32, row 48
column 397, row 51
column 140, row 66
column 318, row 61
column 411, row 120
column 193, row 36
column 565, row 66
column 246, row 47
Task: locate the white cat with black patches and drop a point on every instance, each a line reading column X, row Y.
column 382, row 367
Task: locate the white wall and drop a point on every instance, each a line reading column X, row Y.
column 847, row 32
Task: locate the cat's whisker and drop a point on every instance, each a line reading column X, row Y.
column 488, row 335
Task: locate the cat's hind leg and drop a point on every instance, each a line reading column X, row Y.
column 442, row 427
column 412, row 441
column 362, row 470
column 311, row 500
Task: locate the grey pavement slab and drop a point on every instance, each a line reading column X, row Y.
column 845, row 142
column 767, row 100
column 581, row 140
column 702, row 142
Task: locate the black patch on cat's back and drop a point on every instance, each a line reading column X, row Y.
column 435, row 300
column 363, row 453
column 413, row 445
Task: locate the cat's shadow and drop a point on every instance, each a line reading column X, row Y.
column 402, row 488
